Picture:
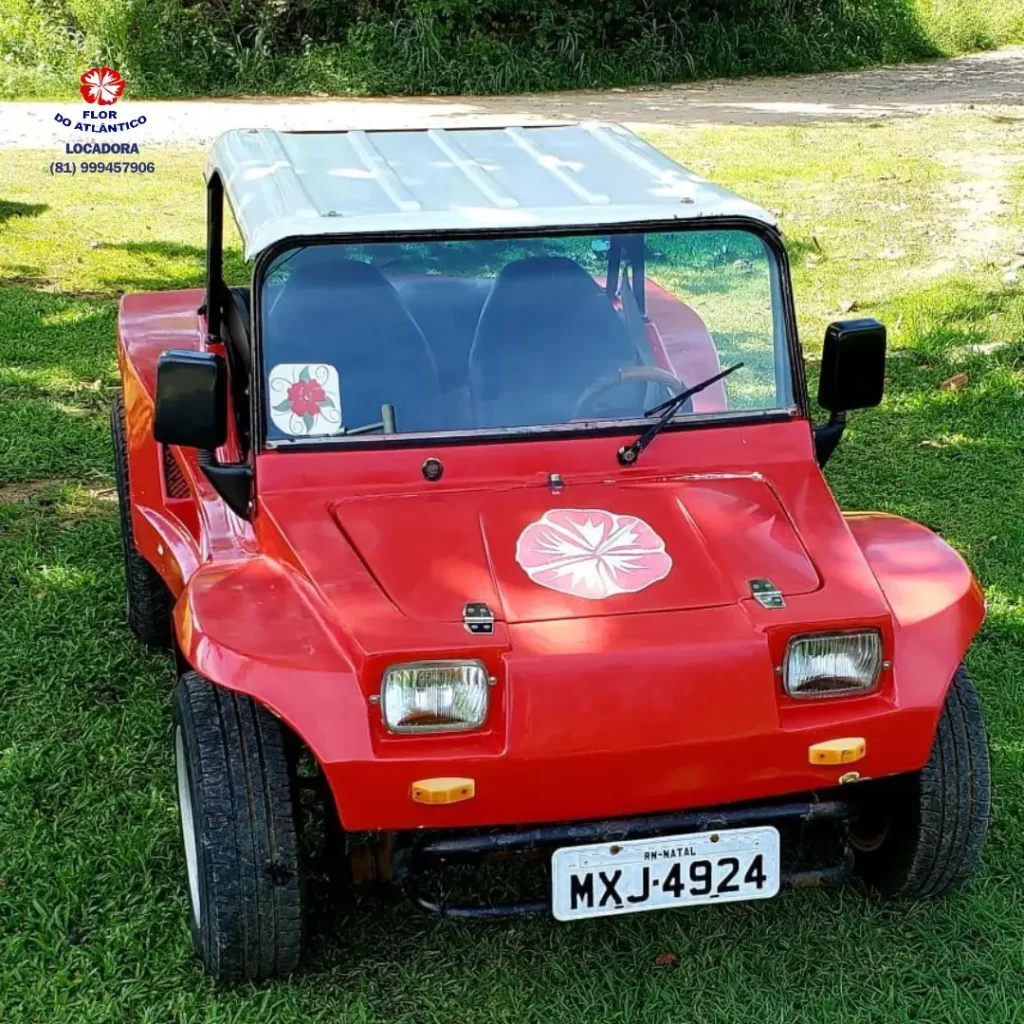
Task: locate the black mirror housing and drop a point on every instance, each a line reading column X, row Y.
column 191, row 399
column 852, row 366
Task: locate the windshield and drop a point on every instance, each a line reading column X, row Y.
column 485, row 335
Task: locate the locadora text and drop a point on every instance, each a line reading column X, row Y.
column 107, row 122
column 101, row 147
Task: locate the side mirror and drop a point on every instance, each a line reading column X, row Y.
column 852, row 366
column 852, row 377
column 191, row 400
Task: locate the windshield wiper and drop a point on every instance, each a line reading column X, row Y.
column 628, row 454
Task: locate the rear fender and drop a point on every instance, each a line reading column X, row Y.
column 175, row 535
column 160, row 537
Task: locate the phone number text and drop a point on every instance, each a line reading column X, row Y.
column 98, row 167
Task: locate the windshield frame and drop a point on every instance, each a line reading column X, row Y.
column 782, row 301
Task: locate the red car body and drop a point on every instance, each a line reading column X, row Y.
column 655, row 700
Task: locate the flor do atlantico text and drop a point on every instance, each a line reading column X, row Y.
column 100, row 122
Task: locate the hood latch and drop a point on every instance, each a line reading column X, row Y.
column 478, row 618
column 766, row 594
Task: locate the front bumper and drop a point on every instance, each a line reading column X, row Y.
column 549, row 775
column 632, row 715
column 420, row 854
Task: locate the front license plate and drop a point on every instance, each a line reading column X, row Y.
column 672, row 871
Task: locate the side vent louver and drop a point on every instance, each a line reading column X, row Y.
column 174, row 479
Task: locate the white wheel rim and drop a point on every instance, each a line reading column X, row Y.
column 188, row 826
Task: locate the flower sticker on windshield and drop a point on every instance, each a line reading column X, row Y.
column 591, row 553
column 305, row 399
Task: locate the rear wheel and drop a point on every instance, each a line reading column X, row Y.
column 237, row 796
column 149, row 602
column 922, row 834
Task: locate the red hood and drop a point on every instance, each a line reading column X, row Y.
column 591, row 549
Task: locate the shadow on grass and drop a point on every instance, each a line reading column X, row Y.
column 166, row 265
column 948, row 314
column 798, row 249
column 44, row 330
column 9, row 209
column 57, row 365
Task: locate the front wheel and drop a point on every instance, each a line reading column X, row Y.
column 922, row 834
column 236, row 794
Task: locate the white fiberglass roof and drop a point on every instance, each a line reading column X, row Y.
column 287, row 184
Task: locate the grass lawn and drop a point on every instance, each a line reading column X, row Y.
column 915, row 222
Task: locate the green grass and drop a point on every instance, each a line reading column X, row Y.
column 92, row 893
column 166, row 48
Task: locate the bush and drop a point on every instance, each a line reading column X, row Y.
column 202, row 47
column 40, row 48
column 959, row 25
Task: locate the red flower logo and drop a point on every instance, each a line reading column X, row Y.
column 592, row 553
column 305, row 397
column 102, row 85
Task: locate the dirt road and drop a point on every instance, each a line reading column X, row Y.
column 987, row 80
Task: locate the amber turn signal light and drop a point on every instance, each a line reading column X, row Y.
column 443, row 791
column 841, row 751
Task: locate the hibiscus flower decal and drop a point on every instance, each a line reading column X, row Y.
column 102, row 85
column 305, row 399
column 592, row 553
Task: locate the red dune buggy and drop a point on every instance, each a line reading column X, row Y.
column 496, row 498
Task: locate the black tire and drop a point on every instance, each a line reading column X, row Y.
column 149, row 602
column 922, row 835
column 246, row 872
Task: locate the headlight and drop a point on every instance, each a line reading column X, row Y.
column 435, row 696
column 832, row 664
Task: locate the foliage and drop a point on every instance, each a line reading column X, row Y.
column 198, row 47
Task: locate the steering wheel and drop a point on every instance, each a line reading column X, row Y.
column 631, row 375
